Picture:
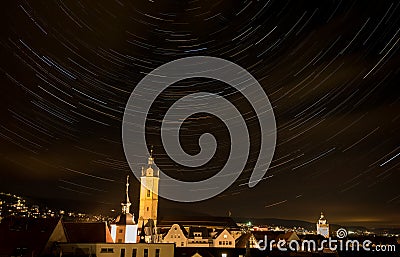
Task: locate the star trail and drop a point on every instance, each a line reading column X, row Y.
column 330, row 70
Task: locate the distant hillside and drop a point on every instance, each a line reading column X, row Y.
column 78, row 205
column 277, row 222
column 294, row 223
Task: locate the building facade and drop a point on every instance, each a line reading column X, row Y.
column 199, row 237
column 148, row 205
column 117, row 250
column 124, row 229
column 224, row 239
column 176, row 235
column 323, row 226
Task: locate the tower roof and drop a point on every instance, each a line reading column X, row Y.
column 125, row 219
column 150, row 170
column 151, row 158
column 322, row 217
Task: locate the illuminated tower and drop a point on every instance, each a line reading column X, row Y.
column 149, row 194
column 124, row 228
column 323, row 226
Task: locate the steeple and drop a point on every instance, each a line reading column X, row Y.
column 323, row 226
column 151, row 159
column 126, row 205
column 124, row 228
column 149, row 182
column 322, row 219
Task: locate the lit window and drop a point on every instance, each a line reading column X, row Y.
column 224, row 255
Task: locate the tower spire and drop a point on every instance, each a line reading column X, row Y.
column 151, row 158
column 126, row 204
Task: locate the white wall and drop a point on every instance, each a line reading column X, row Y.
column 114, row 250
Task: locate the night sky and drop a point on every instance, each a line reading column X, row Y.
column 329, row 68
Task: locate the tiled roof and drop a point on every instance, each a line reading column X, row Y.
column 203, row 230
column 241, row 242
column 87, row 232
column 29, row 235
column 218, row 232
column 125, row 219
column 271, row 235
column 287, row 235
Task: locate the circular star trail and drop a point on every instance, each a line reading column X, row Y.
column 329, row 68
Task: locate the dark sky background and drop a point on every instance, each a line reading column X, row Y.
column 329, row 68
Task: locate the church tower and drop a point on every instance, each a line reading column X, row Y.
column 124, row 228
column 149, row 194
column 323, row 226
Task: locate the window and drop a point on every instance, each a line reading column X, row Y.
column 220, row 242
column 148, row 193
column 146, row 252
column 119, row 240
column 157, row 252
column 107, row 250
column 122, row 254
column 230, row 242
column 134, row 252
column 147, row 208
column 182, row 244
column 120, row 231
